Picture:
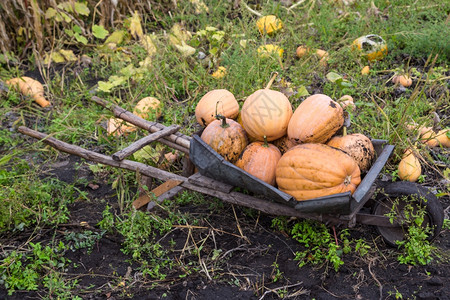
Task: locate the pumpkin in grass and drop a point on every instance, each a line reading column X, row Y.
column 148, row 108
column 309, row 171
column 266, row 114
column 226, row 137
column 409, row 168
column 284, row 143
column 315, row 120
column 216, row 102
column 260, row 160
column 358, row 146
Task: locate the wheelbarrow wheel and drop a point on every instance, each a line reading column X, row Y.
column 402, row 201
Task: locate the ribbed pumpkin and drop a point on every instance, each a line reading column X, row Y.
column 409, row 168
column 309, row 171
column 260, row 160
column 266, row 113
column 226, row 137
column 358, row 146
column 315, row 120
column 284, row 143
column 215, row 102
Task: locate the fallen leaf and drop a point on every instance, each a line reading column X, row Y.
column 200, row 6
column 135, row 26
column 116, row 37
column 68, row 55
column 148, row 45
column 185, row 49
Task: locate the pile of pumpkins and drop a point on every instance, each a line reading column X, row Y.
column 297, row 151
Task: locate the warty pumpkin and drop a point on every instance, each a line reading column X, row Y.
column 315, row 120
column 266, row 114
column 226, row 137
column 409, row 168
column 358, row 146
column 260, row 159
column 216, row 102
column 309, row 171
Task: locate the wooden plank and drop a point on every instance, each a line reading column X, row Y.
column 167, row 195
column 188, row 166
column 201, row 180
column 122, row 154
column 158, row 191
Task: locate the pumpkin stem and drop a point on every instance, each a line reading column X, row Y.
column 266, row 144
column 344, row 133
column 275, row 74
column 224, row 121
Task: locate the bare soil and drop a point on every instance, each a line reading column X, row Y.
column 247, row 271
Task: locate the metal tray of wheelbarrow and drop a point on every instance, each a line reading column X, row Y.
column 211, row 164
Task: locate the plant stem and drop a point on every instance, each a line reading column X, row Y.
column 275, row 74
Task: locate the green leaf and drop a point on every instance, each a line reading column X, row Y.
column 333, row 77
column 81, row 8
column 69, row 32
column 302, row 91
column 105, row 86
column 116, row 37
column 77, row 29
column 448, row 133
column 80, row 38
column 99, row 31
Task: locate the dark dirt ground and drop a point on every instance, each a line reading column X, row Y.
column 246, row 270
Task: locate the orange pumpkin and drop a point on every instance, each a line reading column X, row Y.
column 266, row 113
column 284, row 144
column 216, row 102
column 148, row 108
column 315, row 120
column 409, row 168
column 260, row 160
column 226, row 137
column 358, row 146
column 309, row 171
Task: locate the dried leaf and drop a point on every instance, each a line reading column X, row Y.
column 148, row 45
column 200, row 6
column 135, row 26
column 178, row 35
column 68, row 55
column 185, row 49
column 116, row 37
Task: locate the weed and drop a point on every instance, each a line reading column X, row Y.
column 83, row 240
column 40, row 268
column 320, row 245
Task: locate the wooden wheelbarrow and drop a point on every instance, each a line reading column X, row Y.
column 219, row 178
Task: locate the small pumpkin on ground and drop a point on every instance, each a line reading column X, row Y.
column 260, row 160
column 358, row 146
column 315, row 120
column 266, row 113
column 409, row 167
column 148, row 108
column 309, row 171
column 269, row 24
column 226, row 137
column 216, row 102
